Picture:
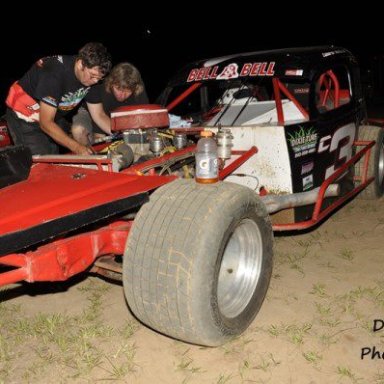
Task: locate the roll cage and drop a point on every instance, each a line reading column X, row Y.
column 287, row 100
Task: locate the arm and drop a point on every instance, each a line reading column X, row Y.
column 48, row 126
column 100, row 117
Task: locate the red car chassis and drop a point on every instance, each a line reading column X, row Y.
column 61, row 259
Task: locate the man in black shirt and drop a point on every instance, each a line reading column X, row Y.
column 122, row 87
column 38, row 102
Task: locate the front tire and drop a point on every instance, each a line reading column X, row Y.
column 376, row 162
column 198, row 261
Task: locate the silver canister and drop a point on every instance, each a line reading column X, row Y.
column 224, row 143
column 156, row 144
column 180, row 140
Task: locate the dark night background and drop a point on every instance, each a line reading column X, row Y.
column 158, row 43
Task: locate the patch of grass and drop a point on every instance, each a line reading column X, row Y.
column 237, row 345
column 274, row 330
column 123, row 360
column 129, row 329
column 327, row 339
column 73, row 345
column 84, row 358
column 339, row 235
column 312, row 357
column 319, row 290
column 347, row 302
column 293, row 332
column 328, row 265
column 330, row 322
column 93, row 310
column 97, row 329
column 297, row 261
column 298, row 267
column 33, row 371
column 304, row 243
column 358, row 234
column 5, row 350
column 244, row 369
column 346, row 373
column 366, row 325
column 346, row 254
column 323, row 309
column 94, row 285
column 276, row 276
column 267, row 363
column 224, row 378
column 379, row 378
column 186, row 364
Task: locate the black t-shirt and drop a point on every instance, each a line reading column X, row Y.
column 53, row 81
column 98, row 94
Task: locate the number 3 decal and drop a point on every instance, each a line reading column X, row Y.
column 341, row 141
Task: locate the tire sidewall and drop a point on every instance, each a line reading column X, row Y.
column 379, row 188
column 208, row 267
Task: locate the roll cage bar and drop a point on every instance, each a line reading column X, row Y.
column 328, row 80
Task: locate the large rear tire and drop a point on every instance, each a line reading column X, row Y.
column 376, row 162
column 198, row 261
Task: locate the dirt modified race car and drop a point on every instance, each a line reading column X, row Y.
column 293, row 145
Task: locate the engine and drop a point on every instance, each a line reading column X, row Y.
column 145, row 134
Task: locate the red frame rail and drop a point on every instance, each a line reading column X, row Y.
column 319, row 214
column 61, row 259
column 100, row 162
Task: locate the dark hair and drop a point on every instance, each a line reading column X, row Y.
column 95, row 55
column 127, row 76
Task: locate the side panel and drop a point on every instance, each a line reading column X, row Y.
column 316, row 151
column 270, row 166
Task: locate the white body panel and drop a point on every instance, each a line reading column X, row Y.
column 291, row 113
column 270, row 166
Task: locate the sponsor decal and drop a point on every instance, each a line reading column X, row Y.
column 307, row 167
column 229, row 72
column 40, row 63
column 340, row 144
column 294, row 72
column 71, row 99
column 307, row 182
column 301, row 90
column 330, row 53
column 303, row 141
column 232, row 71
column 49, row 100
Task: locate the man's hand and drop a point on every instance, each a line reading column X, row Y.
column 80, row 149
column 48, row 125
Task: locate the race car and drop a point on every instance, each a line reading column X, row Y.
column 293, row 145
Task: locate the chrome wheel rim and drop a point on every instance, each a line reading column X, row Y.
column 240, row 269
column 380, row 170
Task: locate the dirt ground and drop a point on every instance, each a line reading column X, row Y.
column 327, row 290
